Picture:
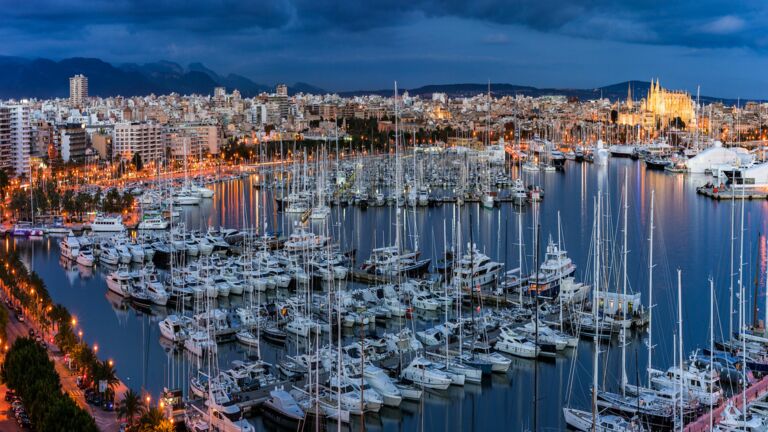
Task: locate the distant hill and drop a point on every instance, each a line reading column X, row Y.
column 44, row 78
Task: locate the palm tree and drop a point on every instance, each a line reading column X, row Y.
column 104, row 370
column 130, row 407
column 153, row 420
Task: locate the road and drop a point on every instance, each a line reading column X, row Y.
column 105, row 421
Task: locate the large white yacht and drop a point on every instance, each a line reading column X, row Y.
column 476, row 268
column 107, row 224
column 556, row 266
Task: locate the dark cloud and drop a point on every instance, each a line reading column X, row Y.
column 347, row 43
column 696, row 23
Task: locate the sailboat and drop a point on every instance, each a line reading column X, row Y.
column 594, row 420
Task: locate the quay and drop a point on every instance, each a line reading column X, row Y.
column 729, row 193
column 358, row 275
column 754, row 392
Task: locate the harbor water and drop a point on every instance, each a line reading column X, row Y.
column 692, row 233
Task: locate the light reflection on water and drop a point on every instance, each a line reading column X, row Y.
column 691, row 234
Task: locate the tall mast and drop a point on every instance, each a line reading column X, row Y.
column 765, row 320
column 520, row 253
column 397, row 177
column 624, row 291
column 730, row 297
column 711, row 337
column 595, row 316
column 650, row 294
column 681, row 366
column 741, row 302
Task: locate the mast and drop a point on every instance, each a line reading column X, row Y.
column 559, row 282
column 711, row 336
column 650, row 294
column 595, row 316
column 624, row 293
column 741, row 304
column 730, row 297
column 536, row 335
column 520, row 254
column 397, row 178
column 680, row 338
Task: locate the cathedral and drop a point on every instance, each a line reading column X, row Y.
column 659, row 108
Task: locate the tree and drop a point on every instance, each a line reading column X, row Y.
column 153, row 420
column 130, row 407
column 20, row 203
column 4, row 182
column 127, row 201
column 677, row 123
column 54, row 197
column 103, row 370
column 82, row 203
column 137, row 162
column 68, row 202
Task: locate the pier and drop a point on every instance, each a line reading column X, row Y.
column 754, row 392
column 730, row 193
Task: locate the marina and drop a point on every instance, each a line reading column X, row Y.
column 270, row 298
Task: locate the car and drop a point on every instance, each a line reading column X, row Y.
column 17, row 404
column 108, row 405
column 9, row 395
column 20, row 317
column 31, row 333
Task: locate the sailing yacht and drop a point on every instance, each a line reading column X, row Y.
column 390, row 261
column 583, row 421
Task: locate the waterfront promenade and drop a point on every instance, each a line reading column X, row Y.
column 106, row 421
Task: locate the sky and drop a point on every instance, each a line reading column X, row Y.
column 719, row 45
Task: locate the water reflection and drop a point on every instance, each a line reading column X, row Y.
column 692, row 233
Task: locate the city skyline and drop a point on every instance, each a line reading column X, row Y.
column 719, row 46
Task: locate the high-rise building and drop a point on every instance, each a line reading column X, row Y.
column 281, row 90
column 143, row 138
column 219, row 96
column 73, row 143
column 6, row 161
column 15, row 139
column 78, row 89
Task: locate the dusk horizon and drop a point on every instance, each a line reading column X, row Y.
column 552, row 43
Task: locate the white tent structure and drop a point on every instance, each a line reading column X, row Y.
column 718, row 158
column 756, row 175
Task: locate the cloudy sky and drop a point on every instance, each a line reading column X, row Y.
column 363, row 44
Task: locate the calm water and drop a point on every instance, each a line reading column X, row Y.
column 692, row 234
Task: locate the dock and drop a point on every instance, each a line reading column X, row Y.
column 729, row 193
column 754, row 392
column 358, row 275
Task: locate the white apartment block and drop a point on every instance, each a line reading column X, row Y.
column 78, row 89
column 143, row 138
column 15, row 139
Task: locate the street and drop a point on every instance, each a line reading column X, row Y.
column 106, row 421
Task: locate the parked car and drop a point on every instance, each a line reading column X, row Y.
column 9, row 395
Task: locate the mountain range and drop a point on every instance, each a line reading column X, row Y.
column 44, row 78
